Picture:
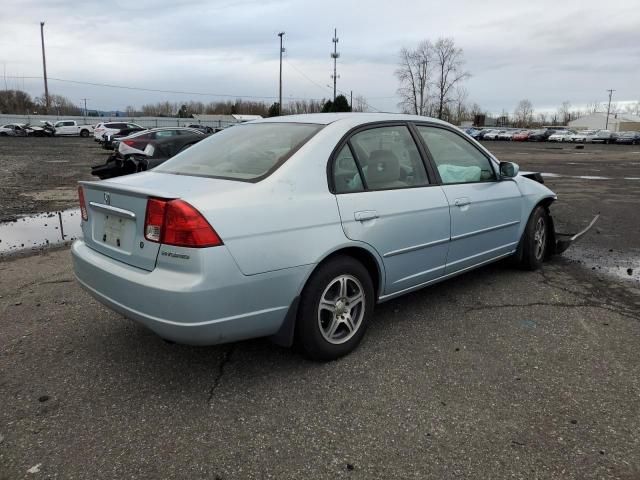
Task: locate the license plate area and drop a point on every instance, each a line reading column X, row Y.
column 115, row 232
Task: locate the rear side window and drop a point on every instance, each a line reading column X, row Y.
column 456, row 159
column 346, row 177
column 243, row 152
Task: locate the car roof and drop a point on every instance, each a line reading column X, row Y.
column 351, row 117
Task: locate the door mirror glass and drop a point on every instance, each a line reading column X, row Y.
column 509, row 169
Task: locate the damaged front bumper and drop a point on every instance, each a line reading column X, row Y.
column 562, row 241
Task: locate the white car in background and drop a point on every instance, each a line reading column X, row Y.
column 562, row 136
column 584, row 136
column 111, row 128
column 136, row 143
column 13, row 130
column 493, row 135
column 71, row 127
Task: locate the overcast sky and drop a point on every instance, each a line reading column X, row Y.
column 546, row 51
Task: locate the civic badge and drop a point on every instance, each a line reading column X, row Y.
column 107, row 198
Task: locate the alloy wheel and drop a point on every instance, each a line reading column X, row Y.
column 540, row 238
column 341, row 309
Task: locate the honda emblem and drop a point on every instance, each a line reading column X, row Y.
column 107, row 198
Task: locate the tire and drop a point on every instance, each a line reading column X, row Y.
column 534, row 244
column 84, row 133
column 330, row 323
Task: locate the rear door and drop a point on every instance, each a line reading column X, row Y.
column 485, row 211
column 386, row 200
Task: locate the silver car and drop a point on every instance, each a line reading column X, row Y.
column 295, row 227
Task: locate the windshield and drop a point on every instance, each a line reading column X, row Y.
column 242, row 152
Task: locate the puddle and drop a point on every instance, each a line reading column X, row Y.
column 35, row 232
column 592, row 177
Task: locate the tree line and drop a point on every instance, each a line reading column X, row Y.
column 20, row 102
column 247, row 107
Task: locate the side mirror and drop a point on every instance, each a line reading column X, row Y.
column 509, row 169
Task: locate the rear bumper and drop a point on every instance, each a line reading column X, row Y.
column 215, row 303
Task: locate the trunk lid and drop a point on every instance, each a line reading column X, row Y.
column 117, row 208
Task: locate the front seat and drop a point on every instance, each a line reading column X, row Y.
column 383, row 170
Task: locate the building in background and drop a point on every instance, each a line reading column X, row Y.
column 621, row 122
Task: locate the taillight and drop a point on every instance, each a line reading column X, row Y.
column 154, row 219
column 83, row 205
column 131, row 143
column 175, row 222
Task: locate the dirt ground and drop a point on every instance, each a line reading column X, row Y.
column 40, row 174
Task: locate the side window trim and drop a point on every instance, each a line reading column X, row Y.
column 433, row 163
column 363, row 180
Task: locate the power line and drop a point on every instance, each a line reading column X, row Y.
column 156, row 90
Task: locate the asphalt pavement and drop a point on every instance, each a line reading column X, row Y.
column 499, row 373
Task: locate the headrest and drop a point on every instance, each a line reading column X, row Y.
column 383, row 167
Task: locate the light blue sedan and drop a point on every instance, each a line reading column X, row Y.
column 295, row 227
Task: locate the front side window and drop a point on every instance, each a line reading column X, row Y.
column 388, row 158
column 242, row 152
column 456, row 159
column 59, row 124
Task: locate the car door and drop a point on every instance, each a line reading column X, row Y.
column 485, row 210
column 386, row 200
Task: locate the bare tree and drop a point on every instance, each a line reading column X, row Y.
column 460, row 109
column 414, row 72
column 360, row 104
column 564, row 112
column 595, row 107
column 449, row 61
column 542, row 118
column 523, row 114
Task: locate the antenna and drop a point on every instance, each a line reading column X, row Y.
column 335, row 55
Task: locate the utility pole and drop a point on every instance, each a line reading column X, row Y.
column 351, row 101
column 44, row 68
column 335, row 56
column 85, row 109
column 606, row 127
column 281, row 34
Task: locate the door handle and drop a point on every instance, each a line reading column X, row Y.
column 365, row 215
column 461, row 202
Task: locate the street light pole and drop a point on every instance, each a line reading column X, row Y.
column 606, row 127
column 44, row 68
column 281, row 34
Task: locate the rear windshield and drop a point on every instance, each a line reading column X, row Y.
column 247, row 152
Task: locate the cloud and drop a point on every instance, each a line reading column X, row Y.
column 545, row 51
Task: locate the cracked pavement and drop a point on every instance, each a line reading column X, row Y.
column 498, row 373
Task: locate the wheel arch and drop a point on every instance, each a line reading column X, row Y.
column 362, row 252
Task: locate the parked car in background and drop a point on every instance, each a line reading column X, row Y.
column 202, row 128
column 14, row 130
column 137, row 142
column 521, row 136
column 506, row 135
column 561, row 136
column 110, row 140
column 71, row 127
column 628, row 138
column 493, row 134
column 540, row 135
column 111, row 128
column 583, row 136
column 604, row 136
column 155, row 153
column 294, row 227
column 484, row 132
